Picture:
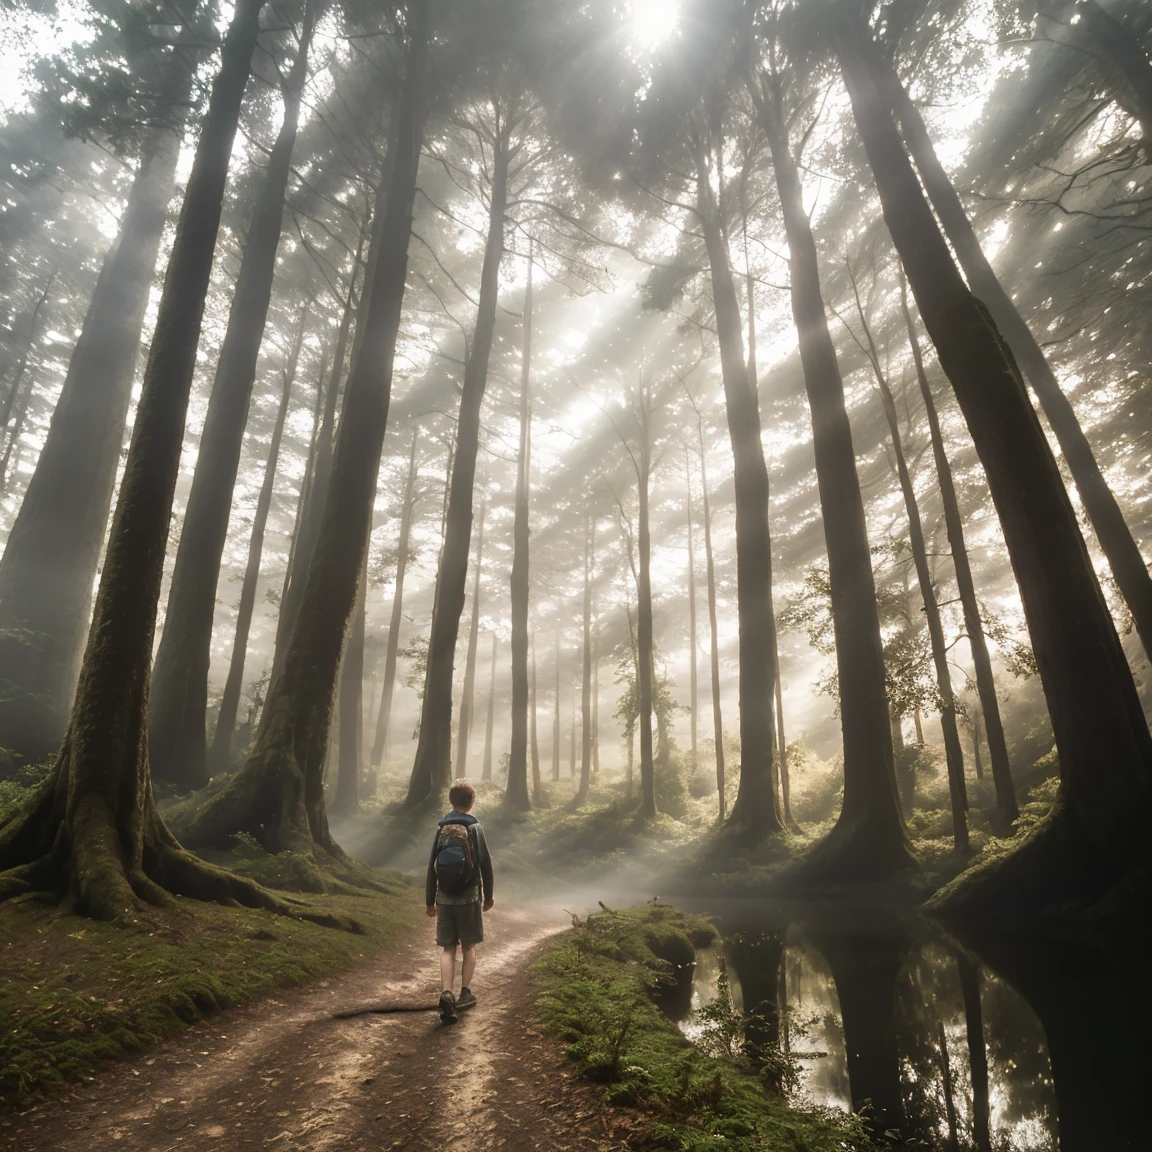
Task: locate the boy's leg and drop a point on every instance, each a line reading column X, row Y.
column 448, row 967
column 468, row 966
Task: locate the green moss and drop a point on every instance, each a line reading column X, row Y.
column 600, row 985
column 78, row 992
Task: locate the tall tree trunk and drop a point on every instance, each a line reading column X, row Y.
column 350, row 707
column 178, row 696
column 1101, row 735
column 977, row 755
column 20, row 405
column 645, row 664
column 755, row 811
column 953, row 750
column 782, row 746
column 15, row 388
column 468, row 700
column 312, row 515
column 53, row 549
column 1006, row 807
column 220, row 754
column 1124, row 558
column 869, row 838
column 278, row 796
column 486, row 768
column 595, row 694
column 977, row 1053
column 572, row 738
column 586, row 668
column 380, row 741
column 556, row 718
column 1123, row 48
column 433, row 750
column 537, row 793
column 516, row 789
column 714, row 637
column 92, row 827
column 693, row 673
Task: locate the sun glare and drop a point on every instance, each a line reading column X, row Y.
column 652, row 21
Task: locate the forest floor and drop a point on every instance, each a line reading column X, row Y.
column 285, row 1075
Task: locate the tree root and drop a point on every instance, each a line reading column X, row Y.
column 855, row 852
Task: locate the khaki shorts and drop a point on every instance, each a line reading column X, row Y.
column 459, row 923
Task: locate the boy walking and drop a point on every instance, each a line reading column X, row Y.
column 459, row 867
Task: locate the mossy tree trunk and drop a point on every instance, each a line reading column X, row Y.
column 1006, row 807
column 756, row 811
column 869, row 839
column 92, row 827
column 278, row 796
column 1094, row 837
column 953, row 749
column 434, row 746
column 50, row 560
column 1124, row 557
column 516, row 790
column 178, row 696
column 468, row 697
column 407, row 513
column 220, row 753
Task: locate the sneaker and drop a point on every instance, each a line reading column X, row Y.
column 447, row 1008
column 466, row 999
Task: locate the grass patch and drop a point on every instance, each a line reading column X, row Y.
column 600, row 989
column 76, row 992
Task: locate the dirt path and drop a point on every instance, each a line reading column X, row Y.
column 285, row 1076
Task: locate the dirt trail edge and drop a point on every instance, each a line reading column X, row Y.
column 286, row 1076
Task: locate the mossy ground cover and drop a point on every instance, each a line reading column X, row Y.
column 75, row 992
column 600, row 986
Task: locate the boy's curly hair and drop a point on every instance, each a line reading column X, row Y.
column 462, row 795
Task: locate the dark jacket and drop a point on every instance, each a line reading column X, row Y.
column 480, row 854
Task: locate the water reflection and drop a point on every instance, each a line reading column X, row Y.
column 992, row 1048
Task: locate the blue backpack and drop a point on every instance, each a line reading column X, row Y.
column 455, row 861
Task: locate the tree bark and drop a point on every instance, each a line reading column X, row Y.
column 1124, row 557
column 516, row 789
column 178, row 697
column 1006, row 806
column 556, row 719
column 714, row 639
column 278, row 796
column 1101, row 735
column 433, row 750
column 755, row 811
column 486, row 768
column 220, row 754
column 693, row 674
column 92, row 827
column 645, row 663
column 953, row 749
column 537, row 793
column 868, row 840
column 53, row 550
column 350, row 707
column 468, row 700
column 380, row 741
column 312, row 516
column 586, row 668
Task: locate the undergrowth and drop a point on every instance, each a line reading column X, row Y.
column 75, row 993
column 601, row 985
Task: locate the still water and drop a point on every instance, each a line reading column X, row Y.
column 1006, row 1046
